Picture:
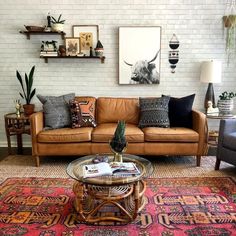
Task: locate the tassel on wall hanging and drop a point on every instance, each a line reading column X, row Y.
column 173, row 53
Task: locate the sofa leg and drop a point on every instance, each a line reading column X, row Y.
column 217, row 165
column 37, row 160
column 198, row 160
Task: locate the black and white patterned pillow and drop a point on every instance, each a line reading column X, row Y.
column 56, row 110
column 154, row 112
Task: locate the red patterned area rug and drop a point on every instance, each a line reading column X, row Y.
column 174, row 206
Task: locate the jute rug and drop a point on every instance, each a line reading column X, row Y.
column 52, row 167
column 191, row 206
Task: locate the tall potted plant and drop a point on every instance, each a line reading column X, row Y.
column 27, row 91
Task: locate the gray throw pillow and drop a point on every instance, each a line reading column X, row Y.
column 56, row 110
column 154, row 112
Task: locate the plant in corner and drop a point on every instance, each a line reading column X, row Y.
column 226, row 103
column 57, row 24
column 27, row 91
column 118, row 142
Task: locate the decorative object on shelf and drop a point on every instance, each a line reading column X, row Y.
column 174, row 53
column 62, row 50
column 88, row 35
column 229, row 23
column 28, row 92
column 32, row 28
column 139, row 64
column 99, row 49
column 226, row 103
column 49, row 48
column 49, row 26
column 72, row 46
column 18, row 107
column 210, row 73
column 57, row 24
column 118, row 143
column 211, row 110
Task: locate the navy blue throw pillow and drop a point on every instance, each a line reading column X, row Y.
column 180, row 111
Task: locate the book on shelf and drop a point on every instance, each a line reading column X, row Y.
column 113, row 168
column 48, row 53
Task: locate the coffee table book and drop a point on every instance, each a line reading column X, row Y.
column 113, row 168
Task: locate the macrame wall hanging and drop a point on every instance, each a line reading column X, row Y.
column 173, row 53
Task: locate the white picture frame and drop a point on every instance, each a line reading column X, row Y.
column 139, row 54
column 88, row 34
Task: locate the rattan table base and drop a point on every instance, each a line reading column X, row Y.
column 118, row 204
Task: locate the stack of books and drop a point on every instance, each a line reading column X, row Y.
column 48, row 54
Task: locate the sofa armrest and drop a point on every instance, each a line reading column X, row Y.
column 226, row 126
column 200, row 126
column 36, row 125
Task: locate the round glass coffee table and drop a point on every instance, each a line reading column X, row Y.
column 109, row 199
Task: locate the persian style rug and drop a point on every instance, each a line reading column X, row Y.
column 204, row 206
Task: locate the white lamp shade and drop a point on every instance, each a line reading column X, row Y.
column 210, row 72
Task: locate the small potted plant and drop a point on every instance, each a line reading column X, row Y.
column 57, row 24
column 226, row 103
column 99, row 49
column 28, row 92
column 118, row 142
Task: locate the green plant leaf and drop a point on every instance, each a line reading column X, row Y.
column 54, row 20
column 21, row 82
column 31, row 95
column 31, row 79
column 21, row 95
column 59, row 18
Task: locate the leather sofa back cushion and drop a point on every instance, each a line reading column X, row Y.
column 111, row 110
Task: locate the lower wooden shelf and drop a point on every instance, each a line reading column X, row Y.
column 72, row 57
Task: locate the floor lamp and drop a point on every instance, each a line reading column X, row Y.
column 210, row 73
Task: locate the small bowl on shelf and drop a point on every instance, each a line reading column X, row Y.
column 35, row 28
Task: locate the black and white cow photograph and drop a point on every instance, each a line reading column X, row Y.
column 139, row 65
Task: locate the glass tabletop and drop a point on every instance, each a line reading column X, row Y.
column 75, row 170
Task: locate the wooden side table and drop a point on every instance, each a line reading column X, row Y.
column 16, row 126
column 213, row 134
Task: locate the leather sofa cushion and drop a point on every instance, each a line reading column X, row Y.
column 229, row 141
column 177, row 134
column 104, row 133
column 65, row 135
column 111, row 110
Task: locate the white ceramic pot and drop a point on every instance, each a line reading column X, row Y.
column 226, row 106
column 57, row 27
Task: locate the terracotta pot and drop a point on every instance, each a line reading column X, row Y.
column 28, row 109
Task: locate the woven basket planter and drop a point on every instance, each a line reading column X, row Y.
column 226, row 106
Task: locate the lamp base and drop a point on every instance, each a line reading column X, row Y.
column 210, row 96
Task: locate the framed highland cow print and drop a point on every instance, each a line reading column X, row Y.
column 139, row 54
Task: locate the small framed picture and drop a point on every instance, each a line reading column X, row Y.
column 72, row 46
column 88, row 34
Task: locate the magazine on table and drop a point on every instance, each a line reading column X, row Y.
column 113, row 168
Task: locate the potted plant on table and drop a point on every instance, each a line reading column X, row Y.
column 226, row 103
column 28, row 92
column 118, row 142
column 57, row 24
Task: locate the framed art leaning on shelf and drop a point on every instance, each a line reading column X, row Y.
column 72, row 46
column 88, row 34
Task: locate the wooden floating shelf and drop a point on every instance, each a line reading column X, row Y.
column 71, row 57
column 28, row 33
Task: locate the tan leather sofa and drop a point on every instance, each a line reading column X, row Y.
column 147, row 141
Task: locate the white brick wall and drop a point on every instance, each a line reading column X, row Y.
column 197, row 25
